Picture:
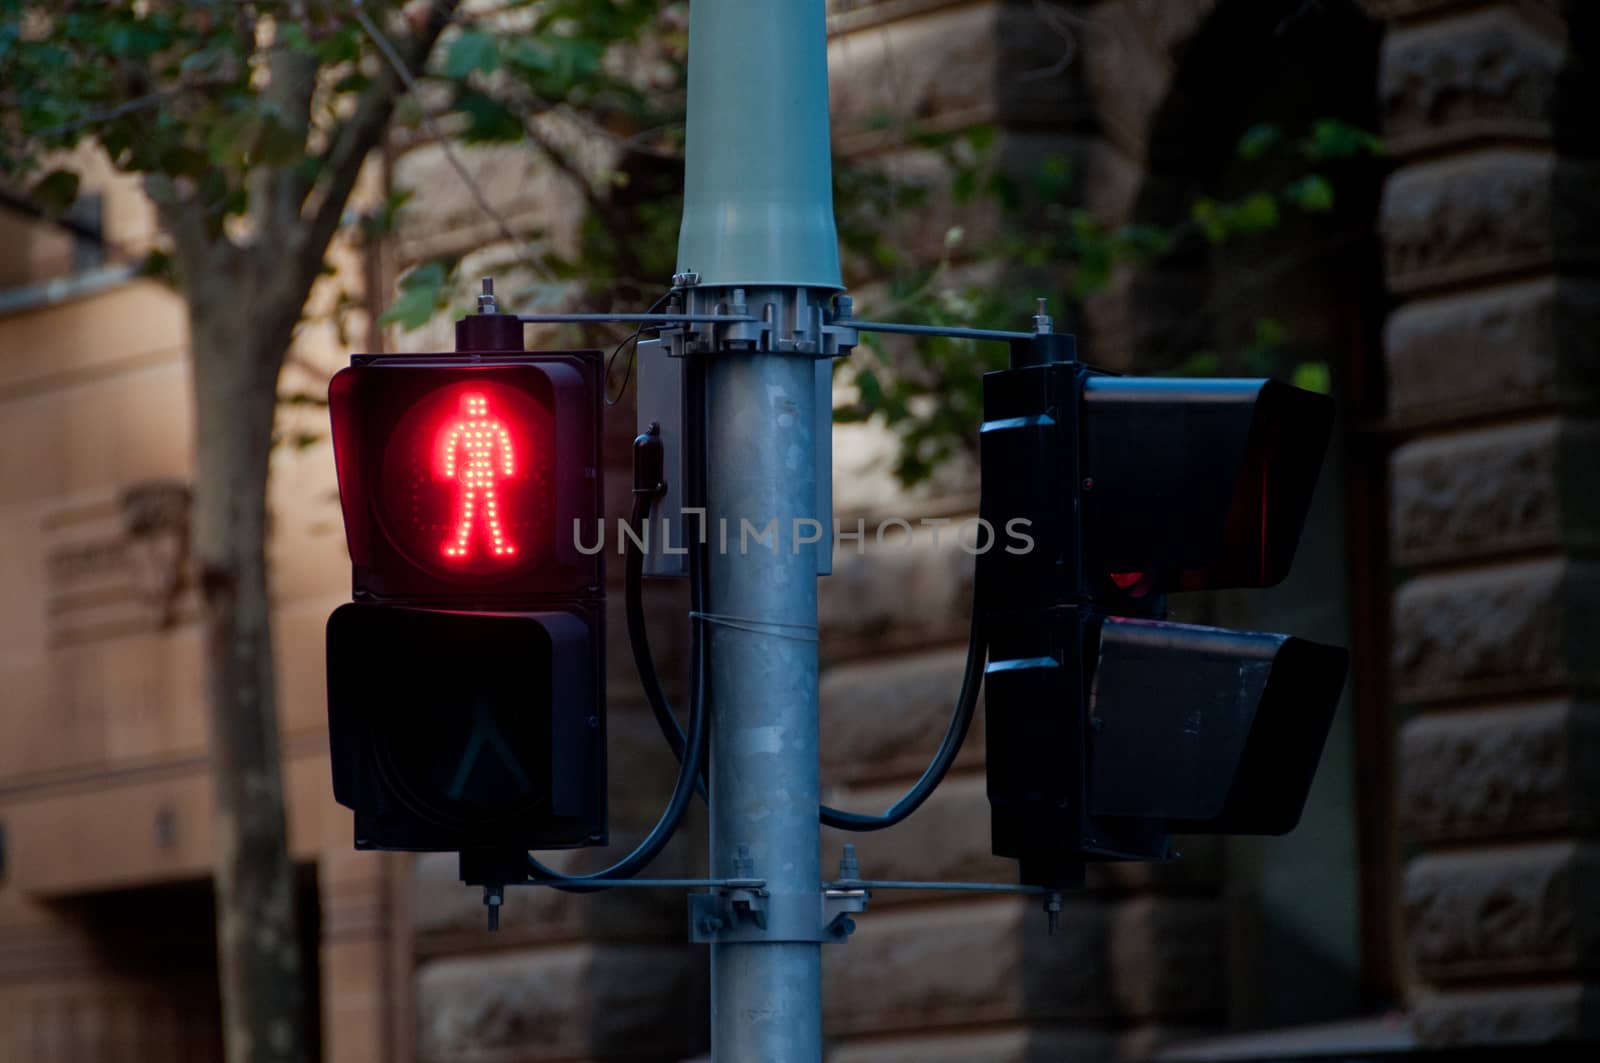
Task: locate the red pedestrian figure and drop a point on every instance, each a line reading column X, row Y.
column 477, row 453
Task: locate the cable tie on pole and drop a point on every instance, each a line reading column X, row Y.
column 798, row 632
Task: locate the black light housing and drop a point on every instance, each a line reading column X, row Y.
column 1210, row 730
column 466, row 681
column 1108, row 729
column 1235, row 460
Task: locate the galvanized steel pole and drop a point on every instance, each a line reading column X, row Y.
column 758, row 230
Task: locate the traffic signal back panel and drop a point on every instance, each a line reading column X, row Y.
column 1109, row 729
column 1235, row 461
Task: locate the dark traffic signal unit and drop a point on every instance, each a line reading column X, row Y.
column 1108, row 728
column 466, row 682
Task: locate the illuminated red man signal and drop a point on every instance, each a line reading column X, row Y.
column 477, row 452
column 462, row 479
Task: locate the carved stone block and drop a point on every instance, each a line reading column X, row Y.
column 1502, row 772
column 1490, row 352
column 947, row 67
column 947, row 839
column 444, row 218
column 576, row 1002
column 901, row 591
column 961, row 965
column 1504, row 911
column 1486, row 75
column 1409, row 9
column 1521, row 487
column 883, row 719
column 1495, row 631
column 1523, row 1015
column 1489, row 214
column 1021, row 1045
column 1166, row 953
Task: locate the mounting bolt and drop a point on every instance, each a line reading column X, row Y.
column 493, row 898
column 1052, row 911
column 687, row 279
column 849, row 866
column 1043, row 325
column 486, row 301
column 844, row 308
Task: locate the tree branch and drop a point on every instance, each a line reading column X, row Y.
column 615, row 224
column 193, row 250
column 354, row 139
column 277, row 192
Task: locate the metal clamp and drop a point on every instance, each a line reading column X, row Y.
column 782, row 320
column 733, row 915
column 729, row 916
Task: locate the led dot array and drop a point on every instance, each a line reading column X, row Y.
column 477, row 453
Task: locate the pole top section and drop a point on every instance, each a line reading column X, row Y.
column 758, row 178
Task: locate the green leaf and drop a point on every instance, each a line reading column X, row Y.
column 1333, row 139
column 964, row 186
column 871, row 390
column 1312, row 194
column 1257, row 213
column 1208, row 214
column 423, row 292
column 293, row 37
column 55, row 191
column 488, row 120
column 474, row 51
column 1200, row 363
column 1270, row 332
column 1258, row 140
column 1313, row 376
column 158, row 265
column 430, row 276
column 412, row 310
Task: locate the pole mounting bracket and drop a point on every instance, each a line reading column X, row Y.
column 743, row 915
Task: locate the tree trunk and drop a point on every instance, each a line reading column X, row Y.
column 235, row 369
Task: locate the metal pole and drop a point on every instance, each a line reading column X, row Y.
column 766, row 994
column 758, row 231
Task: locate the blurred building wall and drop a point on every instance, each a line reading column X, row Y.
column 1491, row 225
column 105, row 814
column 1492, row 368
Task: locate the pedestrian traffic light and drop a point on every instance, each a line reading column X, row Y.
column 464, row 480
column 466, row 680
column 1110, row 729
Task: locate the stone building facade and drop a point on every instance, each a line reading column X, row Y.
column 1448, row 867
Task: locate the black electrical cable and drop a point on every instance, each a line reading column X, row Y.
column 682, row 792
column 648, row 487
column 689, row 768
column 949, row 747
column 622, row 388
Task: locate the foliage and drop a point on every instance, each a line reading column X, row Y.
column 613, row 70
column 187, row 94
column 932, row 398
column 248, row 122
